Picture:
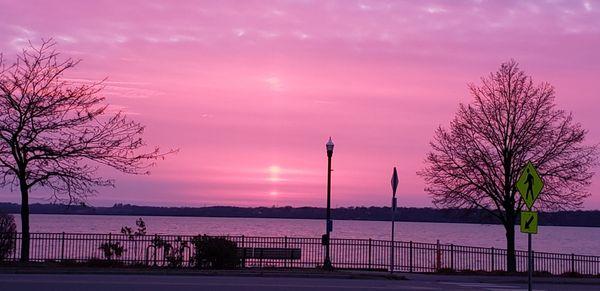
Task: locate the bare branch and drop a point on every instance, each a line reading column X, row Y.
column 511, row 121
column 56, row 134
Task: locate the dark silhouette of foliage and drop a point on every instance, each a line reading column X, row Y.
column 175, row 253
column 55, row 133
column 8, row 235
column 215, row 252
column 158, row 242
column 476, row 163
column 112, row 250
column 141, row 229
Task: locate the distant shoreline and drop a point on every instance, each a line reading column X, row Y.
column 588, row 218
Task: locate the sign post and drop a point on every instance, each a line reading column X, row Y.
column 394, row 204
column 529, row 185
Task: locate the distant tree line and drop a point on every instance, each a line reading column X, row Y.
column 589, row 218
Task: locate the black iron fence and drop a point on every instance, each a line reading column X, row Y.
column 345, row 253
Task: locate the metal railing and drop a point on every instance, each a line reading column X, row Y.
column 345, row 253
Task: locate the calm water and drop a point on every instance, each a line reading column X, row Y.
column 578, row 240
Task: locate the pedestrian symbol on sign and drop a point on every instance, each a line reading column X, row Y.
column 530, row 185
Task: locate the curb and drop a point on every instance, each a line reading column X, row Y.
column 183, row 272
column 503, row 279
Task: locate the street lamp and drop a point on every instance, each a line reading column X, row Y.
column 394, row 204
column 329, row 224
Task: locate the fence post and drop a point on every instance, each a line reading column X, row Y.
column 370, row 243
column 285, row 245
column 243, row 253
column 62, row 247
column 573, row 263
column 410, row 262
column 17, row 244
column 492, row 259
column 452, row 257
column 109, row 243
column 532, row 261
column 438, row 252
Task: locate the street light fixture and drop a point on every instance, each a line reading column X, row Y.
column 329, row 224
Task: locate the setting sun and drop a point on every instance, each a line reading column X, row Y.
column 274, row 172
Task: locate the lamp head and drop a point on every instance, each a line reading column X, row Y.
column 329, row 146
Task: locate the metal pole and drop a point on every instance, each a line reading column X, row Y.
column 327, row 264
column 411, row 257
column 62, row 247
column 370, row 250
column 392, row 245
column 529, row 260
column 394, row 187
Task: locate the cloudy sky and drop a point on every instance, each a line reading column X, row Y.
column 249, row 91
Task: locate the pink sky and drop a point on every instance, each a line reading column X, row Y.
column 249, row 91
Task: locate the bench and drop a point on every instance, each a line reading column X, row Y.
column 268, row 254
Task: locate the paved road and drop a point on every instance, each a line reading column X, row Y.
column 66, row 282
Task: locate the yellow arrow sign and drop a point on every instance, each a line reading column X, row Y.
column 530, row 185
column 529, row 222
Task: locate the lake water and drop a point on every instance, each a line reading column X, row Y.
column 578, row 240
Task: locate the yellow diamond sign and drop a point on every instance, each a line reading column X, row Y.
column 530, row 185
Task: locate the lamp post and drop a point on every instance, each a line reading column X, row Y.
column 329, row 224
column 394, row 204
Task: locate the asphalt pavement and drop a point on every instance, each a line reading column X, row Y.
column 112, row 282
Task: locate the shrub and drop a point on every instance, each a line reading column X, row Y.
column 111, row 250
column 141, row 229
column 215, row 252
column 8, row 235
column 174, row 254
column 132, row 235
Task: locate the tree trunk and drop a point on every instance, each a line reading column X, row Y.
column 24, row 222
column 511, row 260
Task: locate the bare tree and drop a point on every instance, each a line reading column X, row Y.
column 477, row 161
column 55, row 133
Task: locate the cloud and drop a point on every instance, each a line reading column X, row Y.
column 257, row 83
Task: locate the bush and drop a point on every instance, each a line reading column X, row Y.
column 111, row 250
column 215, row 252
column 8, row 235
column 141, row 229
column 174, row 254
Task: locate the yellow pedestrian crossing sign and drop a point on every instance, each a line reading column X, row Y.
column 530, row 185
column 529, row 221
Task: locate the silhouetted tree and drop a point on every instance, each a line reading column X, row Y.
column 55, row 133
column 477, row 161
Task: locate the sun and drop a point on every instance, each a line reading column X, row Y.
column 274, row 172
